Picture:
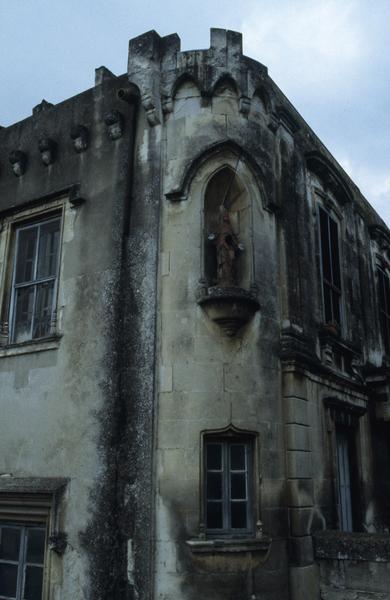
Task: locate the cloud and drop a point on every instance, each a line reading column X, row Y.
column 314, row 43
column 374, row 183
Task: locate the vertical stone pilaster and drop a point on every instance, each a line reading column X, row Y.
column 300, row 492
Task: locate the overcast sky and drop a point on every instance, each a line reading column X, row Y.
column 330, row 57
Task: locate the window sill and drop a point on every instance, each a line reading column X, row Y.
column 49, row 343
column 230, row 545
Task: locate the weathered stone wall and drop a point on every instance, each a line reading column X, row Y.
column 211, row 109
column 119, row 400
column 59, row 398
column 353, row 566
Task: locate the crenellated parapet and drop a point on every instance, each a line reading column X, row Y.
column 158, row 66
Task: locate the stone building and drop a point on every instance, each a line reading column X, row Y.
column 194, row 344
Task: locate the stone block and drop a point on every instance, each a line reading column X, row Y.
column 189, row 376
column 273, row 492
column 296, row 410
column 299, row 464
column 301, row 551
column 297, row 437
column 275, row 522
column 272, row 464
column 300, row 492
column 304, row 583
column 300, row 521
column 295, row 384
column 166, row 378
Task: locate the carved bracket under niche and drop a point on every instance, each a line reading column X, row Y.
column 229, row 308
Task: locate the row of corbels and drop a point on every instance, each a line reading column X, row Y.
column 80, row 136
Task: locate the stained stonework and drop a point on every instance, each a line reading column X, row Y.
column 217, row 287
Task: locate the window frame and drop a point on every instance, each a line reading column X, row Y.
column 22, row 561
column 35, row 282
column 229, row 438
column 324, row 281
column 9, row 225
column 382, row 276
column 34, row 502
column 344, row 418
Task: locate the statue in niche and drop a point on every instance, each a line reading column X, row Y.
column 228, row 248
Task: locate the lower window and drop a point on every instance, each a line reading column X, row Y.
column 228, row 485
column 22, row 552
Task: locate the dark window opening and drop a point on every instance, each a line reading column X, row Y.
column 347, row 472
column 228, row 485
column 22, row 549
column 330, row 266
column 34, row 284
column 384, row 307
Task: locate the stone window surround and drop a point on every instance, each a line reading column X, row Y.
column 34, row 500
column 255, row 542
column 251, row 437
column 58, row 205
column 328, row 204
column 333, row 407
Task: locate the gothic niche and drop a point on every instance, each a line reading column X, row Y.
column 227, row 251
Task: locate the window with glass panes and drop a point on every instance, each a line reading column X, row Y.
column 34, row 283
column 330, row 267
column 227, row 485
column 22, row 551
column 384, row 307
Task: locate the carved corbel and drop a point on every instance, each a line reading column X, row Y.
column 58, row 542
column 115, row 124
column 80, row 137
column 244, row 105
column 75, row 197
column 151, row 109
column 167, row 105
column 273, row 122
column 18, row 160
column 47, row 148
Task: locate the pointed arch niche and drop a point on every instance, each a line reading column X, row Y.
column 227, row 225
column 228, row 193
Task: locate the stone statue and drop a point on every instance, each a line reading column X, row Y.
column 228, row 249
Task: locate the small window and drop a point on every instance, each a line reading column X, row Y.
column 22, row 552
column 330, row 268
column 384, row 307
column 34, row 280
column 228, row 485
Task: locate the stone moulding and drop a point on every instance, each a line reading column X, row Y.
column 231, row 546
column 229, row 308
